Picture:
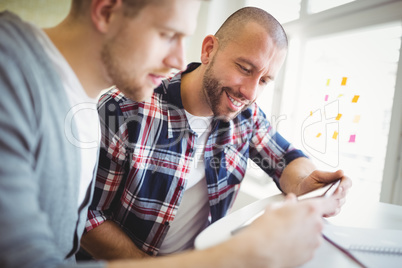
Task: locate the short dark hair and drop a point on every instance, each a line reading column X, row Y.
column 238, row 20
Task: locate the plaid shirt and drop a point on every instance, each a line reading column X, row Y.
column 147, row 151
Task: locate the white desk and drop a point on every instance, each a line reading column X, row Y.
column 354, row 214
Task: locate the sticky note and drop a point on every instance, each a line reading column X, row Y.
column 355, row 98
column 338, row 117
column 318, row 135
column 328, row 81
column 340, row 95
column 352, row 138
column 356, row 119
column 326, row 97
column 344, row 79
column 335, row 136
column 311, row 113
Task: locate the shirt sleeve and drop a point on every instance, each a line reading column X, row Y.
column 268, row 149
column 112, row 161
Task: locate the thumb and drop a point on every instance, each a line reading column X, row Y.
column 290, row 198
column 328, row 176
column 328, row 205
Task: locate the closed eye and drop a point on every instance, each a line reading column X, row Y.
column 167, row 35
column 264, row 81
column 244, row 69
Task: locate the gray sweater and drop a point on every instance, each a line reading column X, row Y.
column 40, row 225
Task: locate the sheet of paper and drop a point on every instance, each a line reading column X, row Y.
column 372, row 247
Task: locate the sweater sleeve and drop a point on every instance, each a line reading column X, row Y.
column 26, row 236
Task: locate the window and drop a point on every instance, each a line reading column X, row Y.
column 338, row 89
column 315, row 6
column 340, row 111
column 283, row 11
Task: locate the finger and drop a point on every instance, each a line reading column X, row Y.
column 291, row 197
column 336, row 212
column 343, row 188
column 324, row 206
column 346, row 183
column 339, row 193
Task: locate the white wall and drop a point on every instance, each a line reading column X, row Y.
column 44, row 13
column 211, row 16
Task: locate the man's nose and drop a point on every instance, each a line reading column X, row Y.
column 175, row 57
column 249, row 90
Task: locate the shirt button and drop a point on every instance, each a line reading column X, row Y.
column 191, row 150
column 166, row 223
column 181, row 188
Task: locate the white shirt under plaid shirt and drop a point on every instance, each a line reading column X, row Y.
column 147, row 151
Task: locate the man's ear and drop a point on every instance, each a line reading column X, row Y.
column 209, row 48
column 102, row 12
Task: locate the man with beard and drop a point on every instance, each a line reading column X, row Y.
column 172, row 165
column 49, row 81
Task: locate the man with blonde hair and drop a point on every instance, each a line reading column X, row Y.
column 172, row 165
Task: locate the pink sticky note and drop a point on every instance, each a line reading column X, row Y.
column 352, row 138
column 326, row 97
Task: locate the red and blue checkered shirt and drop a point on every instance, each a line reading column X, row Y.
column 146, row 153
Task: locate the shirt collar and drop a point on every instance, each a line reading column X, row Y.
column 172, row 90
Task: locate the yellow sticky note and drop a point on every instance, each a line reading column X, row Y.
column 356, row 119
column 318, row 135
column 311, row 113
column 338, row 117
column 344, row 79
column 355, row 98
column 335, row 136
column 340, row 95
column 328, row 81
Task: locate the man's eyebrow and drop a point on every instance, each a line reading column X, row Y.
column 172, row 29
column 246, row 61
column 253, row 66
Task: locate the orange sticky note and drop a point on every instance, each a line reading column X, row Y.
column 335, row 136
column 356, row 119
column 338, row 117
column 344, row 79
column 352, row 138
column 328, row 80
column 326, row 97
column 355, row 98
column 318, row 135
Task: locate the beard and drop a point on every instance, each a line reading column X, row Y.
column 122, row 79
column 214, row 92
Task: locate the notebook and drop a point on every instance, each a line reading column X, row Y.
column 370, row 248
